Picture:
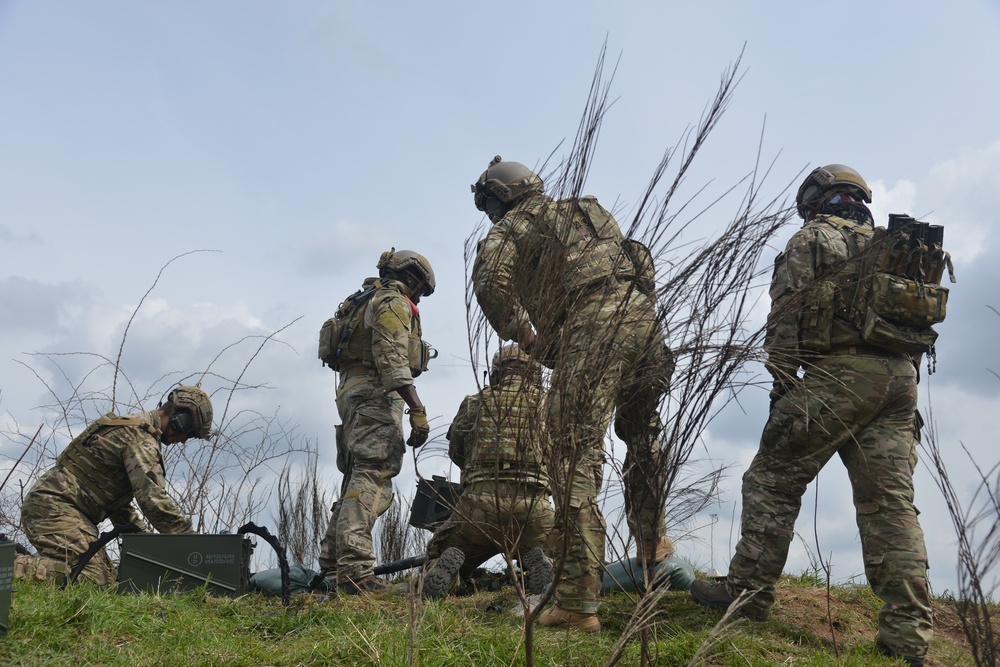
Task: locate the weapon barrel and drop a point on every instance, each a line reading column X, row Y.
column 399, row 565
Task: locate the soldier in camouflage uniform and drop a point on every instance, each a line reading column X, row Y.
column 112, row 462
column 377, row 367
column 559, row 278
column 496, row 439
column 854, row 400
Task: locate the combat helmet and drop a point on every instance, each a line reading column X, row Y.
column 507, row 182
column 512, row 355
column 402, row 261
column 198, row 404
column 823, row 181
column 512, row 360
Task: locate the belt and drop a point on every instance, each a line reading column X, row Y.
column 354, row 371
column 865, row 351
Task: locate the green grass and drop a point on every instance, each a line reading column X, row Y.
column 84, row 625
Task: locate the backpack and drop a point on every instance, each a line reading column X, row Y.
column 336, row 331
column 899, row 297
column 595, row 247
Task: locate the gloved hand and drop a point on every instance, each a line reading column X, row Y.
column 419, row 430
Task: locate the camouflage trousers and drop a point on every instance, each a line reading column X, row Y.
column 60, row 533
column 372, row 434
column 493, row 518
column 612, row 359
column 861, row 408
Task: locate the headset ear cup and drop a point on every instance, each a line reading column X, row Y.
column 181, row 422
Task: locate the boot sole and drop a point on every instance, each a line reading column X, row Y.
column 438, row 580
column 539, row 569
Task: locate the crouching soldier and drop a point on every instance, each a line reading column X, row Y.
column 497, row 439
column 97, row 476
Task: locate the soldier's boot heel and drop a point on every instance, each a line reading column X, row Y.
column 442, row 574
column 557, row 617
column 539, row 571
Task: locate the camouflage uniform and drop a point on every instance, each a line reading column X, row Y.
column 96, row 479
column 855, row 401
column 496, row 440
column 562, row 267
column 370, row 444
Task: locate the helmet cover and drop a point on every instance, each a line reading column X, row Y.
column 401, row 261
column 827, row 181
column 198, row 404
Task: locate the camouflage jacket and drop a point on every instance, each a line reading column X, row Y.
column 817, row 270
column 499, row 434
column 102, row 475
column 384, row 343
column 541, row 257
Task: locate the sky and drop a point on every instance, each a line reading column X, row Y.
column 294, row 142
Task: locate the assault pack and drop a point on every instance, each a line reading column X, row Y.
column 336, row 331
column 594, row 245
column 899, row 296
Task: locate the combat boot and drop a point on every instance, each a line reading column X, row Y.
column 539, row 569
column 441, row 576
column 369, row 584
column 557, row 617
column 911, row 660
column 717, row 596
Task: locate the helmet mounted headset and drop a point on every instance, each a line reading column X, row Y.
column 192, row 411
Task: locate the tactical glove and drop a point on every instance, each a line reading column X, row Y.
column 419, row 430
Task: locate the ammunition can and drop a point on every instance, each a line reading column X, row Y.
column 6, row 583
column 157, row 563
column 434, row 501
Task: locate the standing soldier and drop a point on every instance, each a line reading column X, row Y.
column 112, row 462
column 497, row 440
column 855, row 400
column 559, row 278
column 377, row 357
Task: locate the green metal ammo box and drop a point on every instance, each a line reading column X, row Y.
column 159, row 563
column 434, row 501
column 6, row 581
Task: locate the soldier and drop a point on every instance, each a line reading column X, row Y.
column 559, row 278
column 377, row 364
column 854, row 400
column 97, row 476
column 496, row 439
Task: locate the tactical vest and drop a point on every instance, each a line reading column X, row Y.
column 95, row 475
column 357, row 347
column 825, row 320
column 507, row 443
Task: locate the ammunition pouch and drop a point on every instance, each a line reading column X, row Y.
column 343, row 456
column 907, row 302
column 420, row 353
column 884, row 334
column 816, row 318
